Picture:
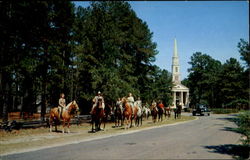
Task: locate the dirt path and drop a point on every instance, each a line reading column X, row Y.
column 33, row 139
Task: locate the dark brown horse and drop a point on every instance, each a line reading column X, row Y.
column 97, row 116
column 107, row 113
column 118, row 115
column 67, row 114
column 177, row 111
column 154, row 113
column 127, row 113
column 160, row 113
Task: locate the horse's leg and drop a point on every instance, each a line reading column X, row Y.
column 50, row 124
column 131, row 122
column 55, row 125
column 141, row 121
column 68, row 127
column 92, row 124
column 126, row 121
column 63, row 126
column 104, row 123
column 122, row 121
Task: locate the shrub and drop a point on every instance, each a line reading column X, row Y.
column 243, row 123
column 224, row 110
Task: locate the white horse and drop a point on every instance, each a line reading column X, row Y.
column 138, row 113
column 146, row 111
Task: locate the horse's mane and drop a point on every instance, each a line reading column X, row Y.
column 67, row 107
column 73, row 102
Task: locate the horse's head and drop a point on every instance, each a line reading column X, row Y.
column 73, row 107
column 124, row 100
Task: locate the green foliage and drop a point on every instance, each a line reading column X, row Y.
column 224, row 110
column 53, row 47
column 216, row 84
column 244, row 50
column 203, row 79
column 243, row 123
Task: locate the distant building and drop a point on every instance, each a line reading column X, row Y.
column 180, row 92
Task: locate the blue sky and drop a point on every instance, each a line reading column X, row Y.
column 211, row 27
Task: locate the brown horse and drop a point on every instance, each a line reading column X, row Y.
column 97, row 117
column 154, row 113
column 167, row 112
column 127, row 113
column 69, row 111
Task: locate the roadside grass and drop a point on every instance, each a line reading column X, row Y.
column 26, row 139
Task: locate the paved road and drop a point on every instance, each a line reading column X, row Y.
column 197, row 139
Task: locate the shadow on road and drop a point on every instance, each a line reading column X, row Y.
column 236, row 130
column 237, row 151
column 233, row 118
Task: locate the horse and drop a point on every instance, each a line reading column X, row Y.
column 160, row 113
column 107, row 113
column 146, row 112
column 167, row 112
column 154, row 113
column 137, row 114
column 97, row 116
column 118, row 115
column 177, row 111
column 127, row 113
column 67, row 113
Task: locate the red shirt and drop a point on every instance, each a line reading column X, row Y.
column 161, row 105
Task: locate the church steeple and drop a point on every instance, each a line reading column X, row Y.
column 176, row 76
column 175, row 49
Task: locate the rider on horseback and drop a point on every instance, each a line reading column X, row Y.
column 131, row 101
column 138, row 102
column 154, row 105
column 161, row 105
column 62, row 104
column 95, row 100
column 119, row 104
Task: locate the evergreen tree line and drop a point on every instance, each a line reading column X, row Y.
column 220, row 85
column 50, row 47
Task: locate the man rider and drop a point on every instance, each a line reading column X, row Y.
column 95, row 101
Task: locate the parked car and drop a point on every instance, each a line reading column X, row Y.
column 201, row 109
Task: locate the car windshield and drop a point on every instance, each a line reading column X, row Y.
column 202, row 106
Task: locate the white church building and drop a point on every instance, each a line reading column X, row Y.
column 180, row 93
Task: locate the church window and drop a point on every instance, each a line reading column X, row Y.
column 176, row 69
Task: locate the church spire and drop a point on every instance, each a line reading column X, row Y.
column 175, row 65
column 175, row 48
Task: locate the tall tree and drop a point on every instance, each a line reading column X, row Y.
column 203, row 79
column 114, row 50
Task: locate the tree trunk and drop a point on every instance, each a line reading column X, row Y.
column 6, row 102
column 44, row 100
